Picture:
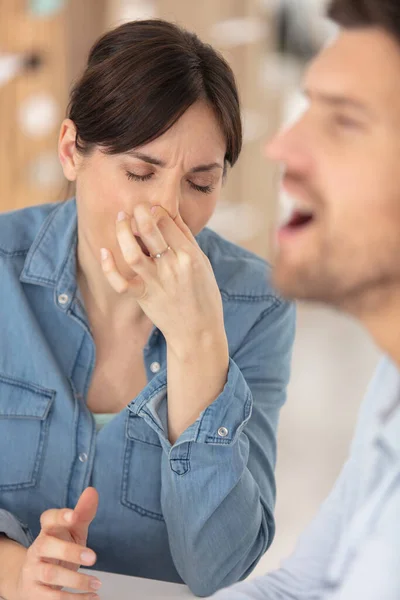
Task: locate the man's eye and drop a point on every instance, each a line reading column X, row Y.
column 346, row 122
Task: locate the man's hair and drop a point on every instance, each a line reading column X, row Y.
column 355, row 14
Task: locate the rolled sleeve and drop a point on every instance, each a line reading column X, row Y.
column 220, row 423
column 231, row 527
column 14, row 529
column 224, row 420
column 217, row 480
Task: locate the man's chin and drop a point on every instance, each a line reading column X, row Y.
column 296, row 284
column 305, row 287
column 285, row 286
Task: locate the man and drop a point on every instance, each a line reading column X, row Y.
column 341, row 247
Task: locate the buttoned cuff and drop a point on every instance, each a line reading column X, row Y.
column 219, row 424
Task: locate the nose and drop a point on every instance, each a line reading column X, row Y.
column 168, row 196
column 290, row 148
column 274, row 149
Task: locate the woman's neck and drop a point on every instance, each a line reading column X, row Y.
column 101, row 301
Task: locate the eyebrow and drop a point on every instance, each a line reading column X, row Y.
column 338, row 101
column 160, row 163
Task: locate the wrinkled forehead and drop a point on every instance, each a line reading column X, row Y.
column 362, row 65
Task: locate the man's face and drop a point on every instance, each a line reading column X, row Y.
column 342, row 170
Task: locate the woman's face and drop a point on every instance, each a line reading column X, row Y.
column 182, row 171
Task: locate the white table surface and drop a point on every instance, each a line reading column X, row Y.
column 121, row 587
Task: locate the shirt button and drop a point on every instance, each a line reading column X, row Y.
column 155, row 367
column 223, row 432
column 63, row 298
column 83, row 457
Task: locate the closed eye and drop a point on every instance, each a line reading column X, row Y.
column 346, row 122
column 204, row 189
column 133, row 177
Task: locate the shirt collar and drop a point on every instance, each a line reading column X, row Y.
column 51, row 260
column 388, row 388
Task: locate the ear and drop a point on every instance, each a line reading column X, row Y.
column 67, row 151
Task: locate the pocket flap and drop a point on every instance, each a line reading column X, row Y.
column 22, row 399
column 137, row 429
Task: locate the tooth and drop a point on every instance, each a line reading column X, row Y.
column 286, row 208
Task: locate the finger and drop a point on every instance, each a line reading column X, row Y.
column 55, row 575
column 56, row 518
column 114, row 277
column 148, row 230
column 46, row 593
column 159, row 212
column 87, row 505
column 185, row 229
column 50, row 547
column 172, row 234
column 167, row 231
column 131, row 251
column 84, row 513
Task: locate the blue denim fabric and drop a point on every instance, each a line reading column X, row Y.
column 200, row 511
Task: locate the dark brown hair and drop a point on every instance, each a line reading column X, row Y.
column 353, row 14
column 140, row 78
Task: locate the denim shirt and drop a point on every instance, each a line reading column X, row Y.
column 351, row 549
column 199, row 511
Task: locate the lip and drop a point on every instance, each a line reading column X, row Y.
column 301, row 203
column 287, row 233
column 295, row 191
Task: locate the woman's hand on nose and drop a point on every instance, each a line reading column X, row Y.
column 175, row 285
column 176, row 288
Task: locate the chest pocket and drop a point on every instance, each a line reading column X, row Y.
column 141, row 478
column 24, row 420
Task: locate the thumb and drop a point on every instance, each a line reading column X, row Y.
column 84, row 512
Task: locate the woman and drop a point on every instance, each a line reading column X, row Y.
column 122, row 313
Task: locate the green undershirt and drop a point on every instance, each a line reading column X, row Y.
column 102, row 419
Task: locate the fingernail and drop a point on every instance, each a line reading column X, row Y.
column 121, row 215
column 88, row 556
column 68, row 516
column 95, row 583
column 104, row 253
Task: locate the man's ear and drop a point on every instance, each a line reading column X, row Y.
column 67, row 151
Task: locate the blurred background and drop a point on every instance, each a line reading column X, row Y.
column 43, row 48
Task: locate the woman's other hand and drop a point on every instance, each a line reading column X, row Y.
column 52, row 561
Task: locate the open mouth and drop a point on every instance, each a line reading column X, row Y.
column 299, row 220
column 296, row 215
column 142, row 245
